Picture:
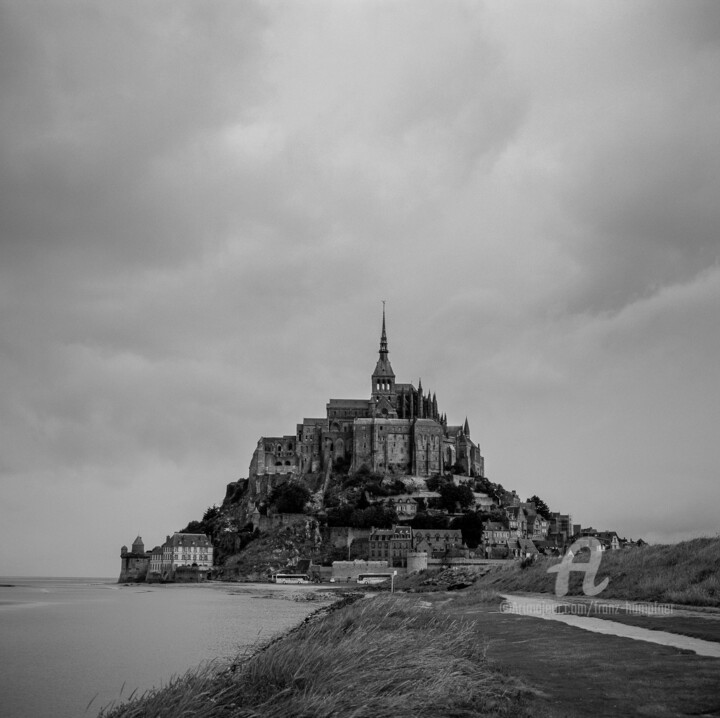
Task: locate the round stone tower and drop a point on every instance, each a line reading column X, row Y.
column 417, row 561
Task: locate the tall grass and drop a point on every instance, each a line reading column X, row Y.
column 382, row 656
column 684, row 573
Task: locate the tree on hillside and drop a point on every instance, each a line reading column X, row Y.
column 341, row 465
column 348, row 515
column 378, row 516
column 353, row 480
column 428, row 521
column 289, row 497
column 486, row 486
column 339, row 515
column 208, row 526
column 452, row 496
column 375, row 488
column 194, row 527
column 433, row 483
column 505, row 497
column 471, row 525
column 540, row 506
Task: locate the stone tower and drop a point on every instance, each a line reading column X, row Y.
column 138, row 546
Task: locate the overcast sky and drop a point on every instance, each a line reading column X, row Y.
column 202, row 206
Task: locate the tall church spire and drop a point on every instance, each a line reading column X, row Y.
column 383, row 336
column 383, row 378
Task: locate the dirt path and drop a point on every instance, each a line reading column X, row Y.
column 579, row 615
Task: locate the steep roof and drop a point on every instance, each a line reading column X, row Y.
column 179, row 539
column 527, row 545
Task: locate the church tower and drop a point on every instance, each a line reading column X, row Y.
column 383, row 393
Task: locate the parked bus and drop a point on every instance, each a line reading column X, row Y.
column 373, row 577
column 291, row 578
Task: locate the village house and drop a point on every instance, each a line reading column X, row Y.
column 610, row 539
column 185, row 551
column 522, row 548
column 405, row 506
column 536, row 525
column 482, row 501
column 437, row 542
column 517, row 521
column 391, row 545
column 156, row 556
column 561, row 525
column 495, row 533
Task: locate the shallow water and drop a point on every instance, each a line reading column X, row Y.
column 542, row 607
column 67, row 643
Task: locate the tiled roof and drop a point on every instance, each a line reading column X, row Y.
column 179, row 539
column 358, row 403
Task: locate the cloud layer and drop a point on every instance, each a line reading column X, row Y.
column 201, row 206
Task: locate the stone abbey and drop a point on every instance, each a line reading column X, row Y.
column 397, row 431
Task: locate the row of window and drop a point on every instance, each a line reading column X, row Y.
column 279, row 448
column 385, row 537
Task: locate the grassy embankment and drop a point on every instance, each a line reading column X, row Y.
column 381, row 656
column 685, row 573
column 443, row 654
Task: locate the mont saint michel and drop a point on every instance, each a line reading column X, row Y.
column 398, row 430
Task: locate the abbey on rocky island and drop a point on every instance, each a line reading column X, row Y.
column 397, row 431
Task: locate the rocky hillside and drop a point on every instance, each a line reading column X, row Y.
column 271, row 522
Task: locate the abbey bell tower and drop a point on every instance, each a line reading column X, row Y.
column 383, row 380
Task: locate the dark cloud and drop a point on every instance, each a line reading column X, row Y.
column 201, row 206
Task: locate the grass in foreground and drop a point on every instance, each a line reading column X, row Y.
column 577, row 674
column 381, row 656
column 684, row 573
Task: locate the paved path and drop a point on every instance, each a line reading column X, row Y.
column 545, row 607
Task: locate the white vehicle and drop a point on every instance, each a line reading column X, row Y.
column 367, row 578
column 291, row 578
